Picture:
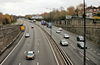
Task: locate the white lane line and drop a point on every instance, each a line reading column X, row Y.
column 52, row 50
column 24, row 52
column 73, row 46
column 37, row 63
column 94, row 51
column 91, row 49
column 83, row 55
column 98, row 53
column 19, row 63
column 13, row 50
column 38, row 51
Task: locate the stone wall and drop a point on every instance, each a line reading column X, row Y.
column 7, row 34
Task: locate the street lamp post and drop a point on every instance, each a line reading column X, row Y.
column 50, row 22
column 51, row 25
column 84, row 16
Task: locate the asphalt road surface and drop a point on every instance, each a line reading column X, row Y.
column 44, row 54
column 74, row 52
column 36, row 42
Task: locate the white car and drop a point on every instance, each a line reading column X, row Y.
column 30, row 55
column 60, row 29
column 81, row 45
column 66, row 36
column 32, row 26
column 27, row 35
column 63, row 42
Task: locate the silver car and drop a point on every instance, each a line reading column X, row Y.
column 58, row 31
column 66, row 36
column 63, row 42
column 27, row 35
column 30, row 55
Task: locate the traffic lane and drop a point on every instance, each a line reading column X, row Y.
column 21, row 59
column 45, row 55
column 94, row 48
column 29, row 45
column 90, row 55
column 72, row 53
column 73, row 37
column 75, row 54
column 76, row 59
column 32, row 34
column 76, row 51
column 18, row 55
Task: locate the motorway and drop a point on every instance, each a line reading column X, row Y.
column 75, row 53
column 43, row 51
column 37, row 42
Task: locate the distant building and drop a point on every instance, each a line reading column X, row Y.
column 37, row 17
column 91, row 10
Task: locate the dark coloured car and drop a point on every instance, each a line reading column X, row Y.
column 80, row 38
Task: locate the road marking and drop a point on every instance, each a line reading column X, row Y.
column 38, row 44
column 13, row 50
column 94, row 51
column 24, row 52
column 98, row 53
column 52, row 50
column 91, row 49
column 73, row 46
column 19, row 63
column 83, row 55
column 38, row 51
column 37, row 63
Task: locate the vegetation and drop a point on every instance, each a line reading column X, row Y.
column 57, row 15
column 7, row 19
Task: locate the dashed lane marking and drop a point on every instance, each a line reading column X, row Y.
column 73, row 46
column 19, row 63
column 24, row 52
column 38, row 51
column 91, row 49
column 94, row 51
column 83, row 55
column 37, row 63
column 98, row 53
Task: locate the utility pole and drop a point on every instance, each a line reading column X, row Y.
column 84, row 16
column 51, row 25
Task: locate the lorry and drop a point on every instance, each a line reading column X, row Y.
column 22, row 28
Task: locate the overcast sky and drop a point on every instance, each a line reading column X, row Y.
column 23, row 7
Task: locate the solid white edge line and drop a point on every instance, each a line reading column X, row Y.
column 52, row 51
column 13, row 49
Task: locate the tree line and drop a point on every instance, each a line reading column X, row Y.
column 57, row 15
column 7, row 19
